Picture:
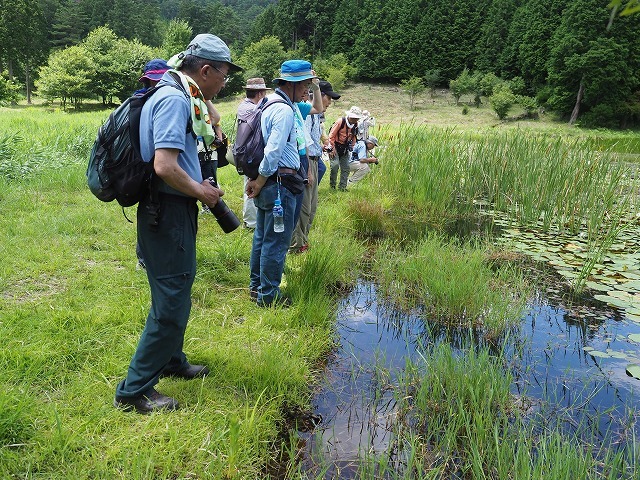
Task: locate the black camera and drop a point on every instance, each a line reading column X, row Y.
column 224, row 215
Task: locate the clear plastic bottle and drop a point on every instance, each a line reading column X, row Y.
column 278, row 215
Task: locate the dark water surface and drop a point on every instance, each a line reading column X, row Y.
column 355, row 399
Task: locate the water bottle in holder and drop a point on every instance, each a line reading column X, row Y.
column 278, row 215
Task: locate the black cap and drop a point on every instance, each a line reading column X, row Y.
column 325, row 87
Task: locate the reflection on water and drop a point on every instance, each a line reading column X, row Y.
column 547, row 355
column 355, row 399
column 577, row 385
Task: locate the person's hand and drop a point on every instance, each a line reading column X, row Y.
column 315, row 82
column 210, row 194
column 253, row 189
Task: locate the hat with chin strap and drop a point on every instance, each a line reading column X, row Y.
column 295, row 71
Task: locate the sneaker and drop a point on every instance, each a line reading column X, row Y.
column 253, row 294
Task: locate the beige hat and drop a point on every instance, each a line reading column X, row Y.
column 257, row 83
column 354, row 112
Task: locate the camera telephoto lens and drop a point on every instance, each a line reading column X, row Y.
column 225, row 217
column 227, row 220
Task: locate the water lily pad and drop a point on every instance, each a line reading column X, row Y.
column 631, row 317
column 633, row 370
column 634, row 337
column 633, row 311
column 597, row 286
column 631, row 275
column 620, row 355
column 596, row 353
column 615, row 302
column 621, row 295
column 588, row 349
column 567, row 274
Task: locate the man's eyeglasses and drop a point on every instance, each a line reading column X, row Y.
column 225, row 76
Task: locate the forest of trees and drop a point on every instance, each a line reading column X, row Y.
column 561, row 52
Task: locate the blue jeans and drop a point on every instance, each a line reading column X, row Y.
column 321, row 169
column 270, row 248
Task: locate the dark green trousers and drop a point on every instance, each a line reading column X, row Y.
column 169, row 252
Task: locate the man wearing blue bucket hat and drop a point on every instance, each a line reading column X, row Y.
column 278, row 177
column 170, row 121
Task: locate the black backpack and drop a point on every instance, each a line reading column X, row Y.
column 116, row 170
column 248, row 148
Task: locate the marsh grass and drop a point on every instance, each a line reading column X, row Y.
column 564, row 185
column 453, row 283
column 471, row 426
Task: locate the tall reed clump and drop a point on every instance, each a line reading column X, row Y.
column 454, row 283
column 473, row 427
column 545, row 181
column 538, row 179
column 33, row 143
column 421, row 165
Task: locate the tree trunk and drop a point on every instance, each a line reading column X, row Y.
column 576, row 109
column 27, row 74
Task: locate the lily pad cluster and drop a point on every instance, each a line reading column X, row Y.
column 614, row 278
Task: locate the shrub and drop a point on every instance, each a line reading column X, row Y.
column 488, row 83
column 501, row 101
column 412, row 87
column 517, row 86
column 9, row 91
column 336, row 69
column 529, row 104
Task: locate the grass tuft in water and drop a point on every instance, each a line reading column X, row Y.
column 454, row 283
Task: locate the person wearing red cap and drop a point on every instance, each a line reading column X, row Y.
column 152, row 73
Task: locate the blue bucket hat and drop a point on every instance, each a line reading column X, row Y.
column 154, row 69
column 210, row 47
column 295, row 71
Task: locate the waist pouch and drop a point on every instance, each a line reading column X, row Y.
column 342, row 148
column 292, row 182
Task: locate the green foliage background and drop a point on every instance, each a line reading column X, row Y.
column 554, row 47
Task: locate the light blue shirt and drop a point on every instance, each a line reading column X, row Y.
column 359, row 151
column 279, row 132
column 163, row 124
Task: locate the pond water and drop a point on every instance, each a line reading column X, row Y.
column 355, row 399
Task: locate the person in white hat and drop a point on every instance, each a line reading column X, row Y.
column 365, row 124
column 342, row 138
